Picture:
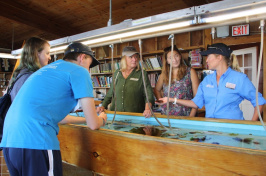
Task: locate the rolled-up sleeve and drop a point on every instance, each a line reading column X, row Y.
column 248, row 91
column 199, row 98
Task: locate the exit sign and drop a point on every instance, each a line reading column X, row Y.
column 240, row 30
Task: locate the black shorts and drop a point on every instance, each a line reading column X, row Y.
column 31, row 162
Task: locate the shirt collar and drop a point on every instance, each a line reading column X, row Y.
column 227, row 72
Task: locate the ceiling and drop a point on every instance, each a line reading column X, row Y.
column 53, row 19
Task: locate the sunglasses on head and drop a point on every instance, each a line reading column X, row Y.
column 92, row 53
column 213, row 47
column 169, row 48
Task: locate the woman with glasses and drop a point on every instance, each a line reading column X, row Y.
column 129, row 87
column 223, row 91
column 184, row 83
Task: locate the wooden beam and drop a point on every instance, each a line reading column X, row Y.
column 26, row 16
column 106, row 50
column 238, row 40
column 207, row 38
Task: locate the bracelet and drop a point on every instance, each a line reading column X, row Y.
column 175, row 101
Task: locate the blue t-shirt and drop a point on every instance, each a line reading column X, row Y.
column 45, row 99
column 223, row 101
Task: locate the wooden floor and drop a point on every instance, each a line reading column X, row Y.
column 68, row 170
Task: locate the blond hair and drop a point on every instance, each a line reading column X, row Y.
column 123, row 64
column 232, row 62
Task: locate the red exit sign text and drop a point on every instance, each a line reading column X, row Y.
column 240, row 30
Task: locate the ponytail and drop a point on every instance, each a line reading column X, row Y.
column 233, row 63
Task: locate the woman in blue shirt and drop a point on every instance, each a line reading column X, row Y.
column 223, row 91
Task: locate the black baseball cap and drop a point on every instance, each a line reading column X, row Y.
column 77, row 47
column 217, row 48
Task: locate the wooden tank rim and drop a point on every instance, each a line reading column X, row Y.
column 174, row 141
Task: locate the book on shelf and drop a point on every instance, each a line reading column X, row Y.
column 195, row 58
column 145, row 66
column 153, row 62
column 105, row 67
column 153, row 77
column 101, row 81
column 147, row 60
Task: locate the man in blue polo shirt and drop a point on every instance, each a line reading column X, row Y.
column 223, row 91
column 30, row 144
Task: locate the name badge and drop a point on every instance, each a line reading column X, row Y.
column 134, row 79
column 230, row 85
column 210, row 86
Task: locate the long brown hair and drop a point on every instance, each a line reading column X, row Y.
column 29, row 56
column 166, row 67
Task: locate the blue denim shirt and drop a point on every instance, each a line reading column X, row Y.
column 223, row 101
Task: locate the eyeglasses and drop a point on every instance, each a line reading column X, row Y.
column 212, row 47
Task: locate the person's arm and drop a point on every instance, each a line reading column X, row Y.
column 195, row 85
column 188, row 103
column 158, row 88
column 107, row 100
column 109, row 96
column 147, row 111
column 93, row 121
column 149, row 89
column 100, row 109
column 248, row 91
column 255, row 115
column 73, row 119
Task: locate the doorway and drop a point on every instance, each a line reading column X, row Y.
column 247, row 59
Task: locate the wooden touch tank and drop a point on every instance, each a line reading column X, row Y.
column 112, row 152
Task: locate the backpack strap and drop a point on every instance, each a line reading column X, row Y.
column 17, row 78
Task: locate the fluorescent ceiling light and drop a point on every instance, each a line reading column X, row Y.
column 8, row 56
column 59, row 48
column 138, row 32
column 244, row 13
column 128, row 34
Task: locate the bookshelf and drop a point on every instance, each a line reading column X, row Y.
column 6, row 71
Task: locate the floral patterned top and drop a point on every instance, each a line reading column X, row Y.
column 181, row 89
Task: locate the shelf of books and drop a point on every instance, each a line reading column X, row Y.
column 152, row 63
column 6, row 70
column 105, row 68
column 101, row 81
